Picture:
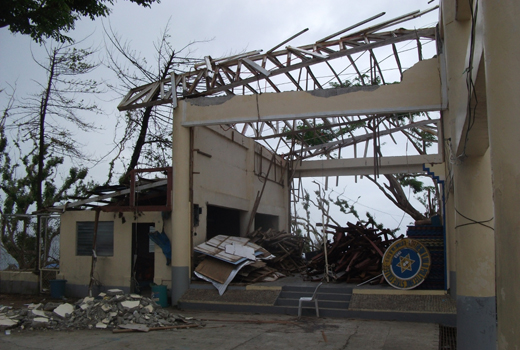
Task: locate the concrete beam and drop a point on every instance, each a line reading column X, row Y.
column 420, row 90
column 364, row 166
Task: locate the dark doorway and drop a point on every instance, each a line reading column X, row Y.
column 222, row 221
column 266, row 222
column 143, row 258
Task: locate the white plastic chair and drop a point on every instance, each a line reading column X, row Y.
column 313, row 298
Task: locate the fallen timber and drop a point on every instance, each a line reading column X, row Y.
column 354, row 255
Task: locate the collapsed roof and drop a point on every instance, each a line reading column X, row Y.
column 352, row 58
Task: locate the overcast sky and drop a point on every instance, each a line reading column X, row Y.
column 233, row 26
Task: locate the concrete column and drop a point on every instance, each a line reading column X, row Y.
column 181, row 211
column 476, row 312
column 502, row 58
column 456, row 34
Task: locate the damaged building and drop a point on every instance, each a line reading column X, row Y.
column 464, row 92
column 228, row 173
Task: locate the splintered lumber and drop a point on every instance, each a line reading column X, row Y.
column 287, row 249
column 354, row 255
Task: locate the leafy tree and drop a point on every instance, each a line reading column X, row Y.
column 19, row 184
column 44, row 125
column 51, row 117
column 44, row 19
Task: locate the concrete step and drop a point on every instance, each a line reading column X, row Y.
column 325, row 288
column 446, row 319
column 328, row 305
column 321, row 296
column 329, row 297
column 321, row 303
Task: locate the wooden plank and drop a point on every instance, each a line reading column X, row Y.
column 256, row 67
column 398, row 61
column 279, row 64
column 195, row 82
column 351, row 27
column 298, row 51
column 287, row 40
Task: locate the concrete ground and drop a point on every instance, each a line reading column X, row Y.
column 226, row 331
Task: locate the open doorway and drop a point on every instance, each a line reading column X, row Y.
column 266, row 222
column 222, row 221
column 143, row 258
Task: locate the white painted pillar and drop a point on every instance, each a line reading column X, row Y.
column 475, row 254
column 181, row 211
column 502, row 59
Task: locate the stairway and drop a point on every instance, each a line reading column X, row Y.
column 376, row 303
column 333, row 301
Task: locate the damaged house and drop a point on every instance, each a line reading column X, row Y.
column 228, row 173
column 464, row 93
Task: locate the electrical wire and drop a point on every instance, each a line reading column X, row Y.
column 470, row 84
column 474, row 222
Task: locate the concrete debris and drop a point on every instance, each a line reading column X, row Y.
column 7, row 322
column 130, row 304
column 63, row 310
column 111, row 310
column 40, row 320
column 50, row 306
column 38, row 313
column 112, row 292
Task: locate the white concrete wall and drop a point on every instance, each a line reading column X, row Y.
column 228, row 178
column 19, row 282
column 111, row 271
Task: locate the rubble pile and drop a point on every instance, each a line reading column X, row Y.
column 108, row 310
column 286, row 248
column 227, row 256
column 354, row 256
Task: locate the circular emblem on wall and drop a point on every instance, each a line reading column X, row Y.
column 406, row 264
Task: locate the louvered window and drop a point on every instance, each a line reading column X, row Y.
column 104, row 241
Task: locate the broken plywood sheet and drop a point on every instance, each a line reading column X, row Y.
column 215, row 269
column 218, row 253
column 217, row 248
column 241, row 250
column 221, row 287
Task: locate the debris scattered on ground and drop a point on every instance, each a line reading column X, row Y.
column 354, row 255
column 111, row 310
column 262, row 256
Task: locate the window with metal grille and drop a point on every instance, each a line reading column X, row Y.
column 104, row 240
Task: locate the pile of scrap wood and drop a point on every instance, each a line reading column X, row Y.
column 286, row 248
column 354, row 255
column 226, row 257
